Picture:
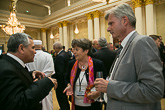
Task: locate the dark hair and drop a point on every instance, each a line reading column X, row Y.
column 83, row 43
column 154, row 37
column 16, row 39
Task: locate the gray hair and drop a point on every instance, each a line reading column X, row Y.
column 16, row 39
column 123, row 10
column 58, row 45
column 102, row 42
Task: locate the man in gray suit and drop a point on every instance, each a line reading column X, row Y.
column 136, row 80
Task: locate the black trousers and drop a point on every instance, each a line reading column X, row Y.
column 61, row 97
column 94, row 106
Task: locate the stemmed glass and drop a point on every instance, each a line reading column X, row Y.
column 99, row 74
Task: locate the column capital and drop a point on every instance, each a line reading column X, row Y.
column 65, row 23
column 96, row 14
column 147, row 2
column 137, row 3
column 89, row 16
column 60, row 24
column 43, row 29
column 48, row 30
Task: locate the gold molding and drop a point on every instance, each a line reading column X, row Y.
column 65, row 23
column 43, row 29
column 89, row 16
column 147, row 2
column 60, row 24
column 137, row 3
column 96, row 14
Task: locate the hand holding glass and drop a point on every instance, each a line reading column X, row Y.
column 99, row 74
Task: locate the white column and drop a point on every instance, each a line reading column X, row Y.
column 65, row 34
column 140, row 24
column 150, row 20
column 139, row 20
column 43, row 34
column 90, row 26
column 39, row 35
column 50, row 41
column 60, row 33
column 102, row 25
column 71, row 34
column 96, row 24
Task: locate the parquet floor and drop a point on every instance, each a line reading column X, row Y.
column 56, row 106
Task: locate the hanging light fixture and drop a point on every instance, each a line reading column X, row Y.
column 76, row 31
column 13, row 26
column 101, row 1
column 51, row 36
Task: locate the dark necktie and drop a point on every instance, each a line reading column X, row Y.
column 26, row 68
column 117, row 56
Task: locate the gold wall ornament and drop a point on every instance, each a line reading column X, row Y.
column 89, row 15
column 137, row 3
column 96, row 14
column 13, row 26
column 147, row 2
column 65, row 23
column 60, row 24
column 43, row 29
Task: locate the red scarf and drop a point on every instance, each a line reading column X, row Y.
column 90, row 84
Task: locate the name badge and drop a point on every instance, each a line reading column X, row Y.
column 81, row 93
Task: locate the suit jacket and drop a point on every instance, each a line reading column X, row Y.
column 107, row 56
column 61, row 63
column 17, row 90
column 137, row 80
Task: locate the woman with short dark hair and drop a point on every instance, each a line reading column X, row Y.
column 81, row 75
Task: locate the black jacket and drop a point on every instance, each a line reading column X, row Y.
column 17, row 90
column 107, row 56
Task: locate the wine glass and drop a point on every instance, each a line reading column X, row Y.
column 99, row 74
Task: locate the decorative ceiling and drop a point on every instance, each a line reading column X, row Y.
column 35, row 13
column 41, row 2
column 38, row 8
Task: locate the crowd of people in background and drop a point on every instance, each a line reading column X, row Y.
column 132, row 68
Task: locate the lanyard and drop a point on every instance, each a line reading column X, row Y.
column 80, row 82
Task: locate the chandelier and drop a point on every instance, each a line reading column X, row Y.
column 13, row 26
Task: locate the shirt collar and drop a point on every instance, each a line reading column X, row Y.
column 60, row 51
column 124, row 42
column 17, row 59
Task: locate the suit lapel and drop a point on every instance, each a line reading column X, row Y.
column 123, row 52
column 21, row 71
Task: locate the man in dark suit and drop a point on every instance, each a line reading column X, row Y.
column 19, row 90
column 60, row 64
column 95, row 46
column 104, row 54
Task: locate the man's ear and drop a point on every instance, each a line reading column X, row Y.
column 21, row 48
column 125, row 20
